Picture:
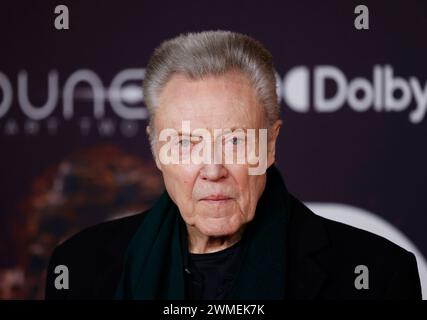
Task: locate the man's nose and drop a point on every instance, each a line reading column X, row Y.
column 213, row 172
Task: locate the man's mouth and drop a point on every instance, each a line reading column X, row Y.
column 216, row 198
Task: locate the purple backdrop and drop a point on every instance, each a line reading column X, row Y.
column 356, row 141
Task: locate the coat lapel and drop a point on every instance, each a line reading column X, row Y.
column 307, row 242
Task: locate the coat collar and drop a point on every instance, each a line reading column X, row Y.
column 307, row 243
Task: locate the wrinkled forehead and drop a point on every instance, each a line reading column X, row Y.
column 215, row 102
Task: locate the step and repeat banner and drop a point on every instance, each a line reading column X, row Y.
column 351, row 79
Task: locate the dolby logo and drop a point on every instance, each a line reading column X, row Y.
column 326, row 88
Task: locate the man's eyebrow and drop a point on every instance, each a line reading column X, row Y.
column 179, row 132
column 238, row 127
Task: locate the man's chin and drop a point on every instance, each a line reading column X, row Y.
column 219, row 228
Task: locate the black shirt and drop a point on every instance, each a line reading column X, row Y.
column 210, row 276
column 213, row 273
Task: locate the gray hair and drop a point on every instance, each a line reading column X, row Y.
column 197, row 55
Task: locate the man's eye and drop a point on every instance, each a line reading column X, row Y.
column 235, row 141
column 185, row 142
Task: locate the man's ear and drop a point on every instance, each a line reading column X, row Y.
column 274, row 133
column 148, row 130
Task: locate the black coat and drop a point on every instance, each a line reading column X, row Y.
column 322, row 257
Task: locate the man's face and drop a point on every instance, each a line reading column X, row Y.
column 215, row 199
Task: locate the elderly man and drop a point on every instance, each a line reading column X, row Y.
column 226, row 226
